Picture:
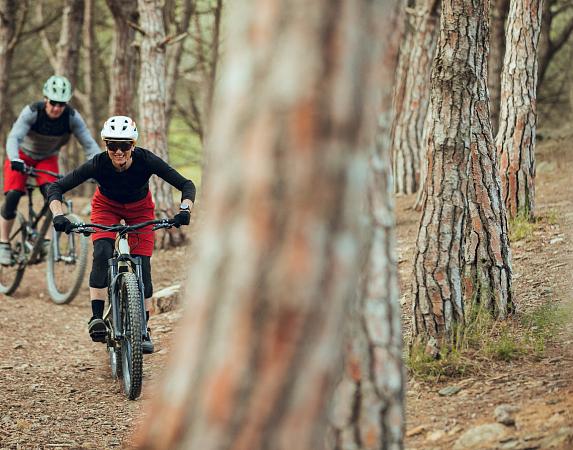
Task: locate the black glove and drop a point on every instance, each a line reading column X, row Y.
column 17, row 165
column 62, row 223
column 181, row 218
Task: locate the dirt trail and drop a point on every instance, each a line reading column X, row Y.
column 56, row 391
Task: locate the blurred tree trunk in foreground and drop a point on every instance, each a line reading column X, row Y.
column 412, row 94
column 518, row 119
column 462, row 252
column 260, row 345
column 368, row 409
column 152, row 97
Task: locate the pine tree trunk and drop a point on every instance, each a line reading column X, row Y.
column 487, row 254
column 462, row 249
column 174, row 54
column 518, row 118
column 369, row 404
column 123, row 58
column 498, row 16
column 152, row 123
column 424, row 158
column 68, row 60
column 90, row 111
column 412, row 94
column 277, row 255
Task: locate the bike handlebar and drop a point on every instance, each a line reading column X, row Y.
column 88, row 228
column 33, row 172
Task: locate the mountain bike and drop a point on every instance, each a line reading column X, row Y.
column 66, row 255
column 125, row 315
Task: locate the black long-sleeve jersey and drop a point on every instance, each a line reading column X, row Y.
column 128, row 186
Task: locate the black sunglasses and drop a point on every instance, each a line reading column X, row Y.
column 55, row 103
column 114, row 146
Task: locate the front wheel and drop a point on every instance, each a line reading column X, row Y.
column 67, row 261
column 10, row 276
column 131, row 351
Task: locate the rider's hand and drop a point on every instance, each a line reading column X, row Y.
column 62, row 223
column 17, row 165
column 181, row 218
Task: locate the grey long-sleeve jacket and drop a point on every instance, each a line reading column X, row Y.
column 40, row 137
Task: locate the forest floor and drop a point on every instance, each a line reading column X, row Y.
column 56, row 391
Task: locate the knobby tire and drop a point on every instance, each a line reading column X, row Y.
column 11, row 276
column 131, row 351
column 65, row 294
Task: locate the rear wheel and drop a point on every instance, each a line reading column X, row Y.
column 131, row 351
column 67, row 261
column 10, row 276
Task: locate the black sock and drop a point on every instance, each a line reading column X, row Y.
column 97, row 308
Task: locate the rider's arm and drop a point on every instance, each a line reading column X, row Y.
column 19, row 130
column 174, row 178
column 83, row 135
column 56, row 207
column 74, row 178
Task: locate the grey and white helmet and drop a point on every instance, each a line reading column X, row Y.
column 58, row 89
column 119, row 128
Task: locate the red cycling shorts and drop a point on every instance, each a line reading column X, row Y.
column 16, row 181
column 110, row 212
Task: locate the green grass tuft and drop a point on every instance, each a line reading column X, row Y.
column 520, row 227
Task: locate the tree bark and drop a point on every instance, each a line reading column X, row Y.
column 411, row 96
column 369, row 407
column 498, row 16
column 174, row 54
column 516, row 137
column 123, row 58
column 152, row 123
column 90, row 110
column 68, row 63
column 277, row 256
column 463, row 205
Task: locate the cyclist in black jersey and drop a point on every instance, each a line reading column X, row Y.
column 35, row 139
column 122, row 174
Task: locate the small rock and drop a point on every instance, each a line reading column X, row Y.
column 559, row 439
column 434, row 436
column 505, row 414
column 479, row 437
column 416, row 430
column 449, row 391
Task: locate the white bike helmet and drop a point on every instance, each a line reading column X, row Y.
column 119, row 128
column 58, row 89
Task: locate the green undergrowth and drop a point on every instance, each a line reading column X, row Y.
column 484, row 340
column 521, row 227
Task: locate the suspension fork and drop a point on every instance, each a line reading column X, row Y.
column 113, row 271
column 139, row 274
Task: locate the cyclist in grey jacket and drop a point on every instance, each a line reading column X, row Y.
column 35, row 139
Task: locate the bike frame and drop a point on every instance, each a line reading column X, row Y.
column 122, row 262
column 32, row 221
